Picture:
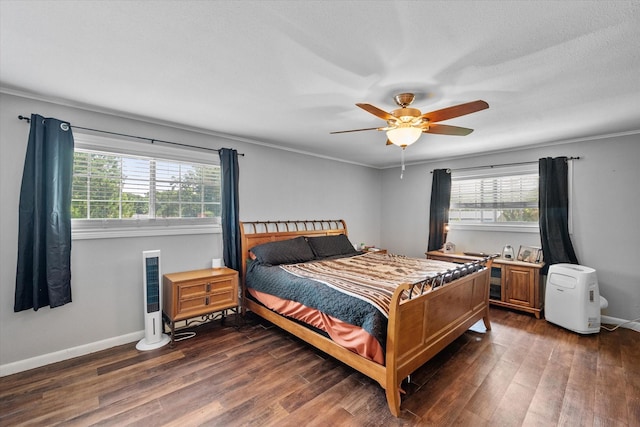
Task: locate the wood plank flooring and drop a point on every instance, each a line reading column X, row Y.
column 523, row 372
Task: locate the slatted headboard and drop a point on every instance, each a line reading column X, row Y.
column 253, row 233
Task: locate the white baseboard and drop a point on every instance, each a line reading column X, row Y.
column 608, row 320
column 58, row 356
column 69, row 353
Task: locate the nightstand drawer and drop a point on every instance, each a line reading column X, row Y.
column 186, row 291
column 196, row 304
column 222, row 295
column 198, row 288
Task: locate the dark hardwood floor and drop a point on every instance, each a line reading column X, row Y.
column 523, row 372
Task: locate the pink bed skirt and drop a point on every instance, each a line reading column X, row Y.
column 349, row 336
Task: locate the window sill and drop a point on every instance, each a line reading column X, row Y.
column 506, row 228
column 147, row 231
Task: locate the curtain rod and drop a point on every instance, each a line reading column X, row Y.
column 151, row 140
column 503, row 164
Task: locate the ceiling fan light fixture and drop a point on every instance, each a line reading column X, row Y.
column 406, row 124
column 404, row 136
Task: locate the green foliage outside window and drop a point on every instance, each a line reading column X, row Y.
column 107, row 186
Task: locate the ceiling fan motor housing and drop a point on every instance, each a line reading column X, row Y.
column 405, row 115
column 406, row 112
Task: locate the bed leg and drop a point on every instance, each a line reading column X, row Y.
column 487, row 322
column 393, row 400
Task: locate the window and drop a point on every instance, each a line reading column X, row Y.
column 121, row 190
column 500, row 197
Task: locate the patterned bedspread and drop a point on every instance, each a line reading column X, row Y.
column 349, row 306
column 371, row 277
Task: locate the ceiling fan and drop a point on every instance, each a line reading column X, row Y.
column 405, row 125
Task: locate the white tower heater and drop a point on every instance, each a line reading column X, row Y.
column 153, row 326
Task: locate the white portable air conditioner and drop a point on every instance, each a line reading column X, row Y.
column 153, row 326
column 572, row 298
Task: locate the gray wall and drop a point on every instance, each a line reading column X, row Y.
column 106, row 273
column 378, row 207
column 606, row 202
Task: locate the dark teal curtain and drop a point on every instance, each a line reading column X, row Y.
column 230, row 208
column 43, row 275
column 554, row 212
column 439, row 207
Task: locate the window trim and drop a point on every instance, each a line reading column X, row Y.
column 106, row 229
column 492, row 172
column 515, row 228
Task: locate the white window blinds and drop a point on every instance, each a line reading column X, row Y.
column 500, row 195
column 114, row 186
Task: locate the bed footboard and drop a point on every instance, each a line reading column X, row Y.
column 424, row 324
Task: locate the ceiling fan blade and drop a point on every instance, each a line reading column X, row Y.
column 389, row 142
column 377, row 112
column 447, row 130
column 455, row 111
column 354, row 130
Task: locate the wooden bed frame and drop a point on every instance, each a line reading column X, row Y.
column 432, row 319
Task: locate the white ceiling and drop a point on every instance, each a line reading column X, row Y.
column 287, row 73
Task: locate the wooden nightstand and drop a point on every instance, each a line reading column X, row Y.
column 198, row 293
column 514, row 284
column 376, row 251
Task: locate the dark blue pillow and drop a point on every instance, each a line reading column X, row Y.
column 284, row 252
column 326, row 246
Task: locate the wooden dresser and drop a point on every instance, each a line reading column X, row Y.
column 514, row 284
column 198, row 293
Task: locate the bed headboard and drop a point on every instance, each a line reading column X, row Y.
column 253, row 233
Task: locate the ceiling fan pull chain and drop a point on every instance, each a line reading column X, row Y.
column 402, row 160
